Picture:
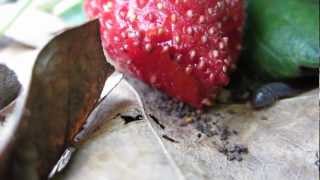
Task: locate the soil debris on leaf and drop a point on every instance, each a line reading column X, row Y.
column 157, row 121
column 233, row 151
column 199, row 135
column 131, row 116
column 211, row 126
column 169, row 138
column 179, row 118
column 129, row 119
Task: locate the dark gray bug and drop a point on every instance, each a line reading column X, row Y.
column 268, row 94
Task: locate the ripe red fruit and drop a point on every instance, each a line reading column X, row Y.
column 182, row 47
column 92, row 7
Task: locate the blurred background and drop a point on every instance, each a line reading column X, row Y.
column 27, row 25
column 32, row 22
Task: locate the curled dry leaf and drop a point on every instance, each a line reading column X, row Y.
column 235, row 141
column 67, row 80
column 281, row 143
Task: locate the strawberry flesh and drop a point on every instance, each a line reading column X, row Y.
column 184, row 48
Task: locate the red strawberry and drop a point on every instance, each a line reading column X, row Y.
column 182, row 47
column 92, row 7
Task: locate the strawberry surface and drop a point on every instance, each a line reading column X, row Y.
column 185, row 48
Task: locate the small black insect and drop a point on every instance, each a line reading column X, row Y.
column 270, row 93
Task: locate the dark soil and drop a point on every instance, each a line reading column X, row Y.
column 157, row 121
column 128, row 119
column 210, row 125
column 173, row 115
column 170, row 139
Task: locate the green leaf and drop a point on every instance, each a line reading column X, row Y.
column 70, row 11
column 48, row 5
column 73, row 14
column 282, row 37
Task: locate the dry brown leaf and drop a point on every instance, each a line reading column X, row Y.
column 67, row 80
column 282, row 142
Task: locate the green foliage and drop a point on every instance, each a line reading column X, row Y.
column 70, row 11
column 282, row 38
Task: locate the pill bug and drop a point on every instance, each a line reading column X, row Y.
column 268, row 94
